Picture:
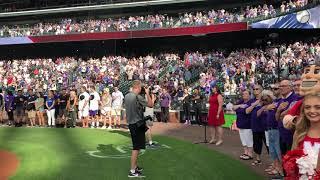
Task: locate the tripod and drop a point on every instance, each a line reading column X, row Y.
column 204, row 123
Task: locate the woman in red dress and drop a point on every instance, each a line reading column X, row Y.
column 216, row 116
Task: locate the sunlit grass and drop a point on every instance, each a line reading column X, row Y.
column 62, row 154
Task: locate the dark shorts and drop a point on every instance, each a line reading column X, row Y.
column 138, row 137
column 63, row 112
column 93, row 113
column 19, row 111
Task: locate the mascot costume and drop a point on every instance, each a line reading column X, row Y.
column 310, row 85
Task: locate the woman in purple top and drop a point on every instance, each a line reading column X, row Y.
column 268, row 110
column 165, row 101
column 244, row 125
column 8, row 104
column 257, row 124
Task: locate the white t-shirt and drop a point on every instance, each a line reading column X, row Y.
column 94, row 103
column 149, row 112
column 229, row 106
column 81, row 102
column 117, row 99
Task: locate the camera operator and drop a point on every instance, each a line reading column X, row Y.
column 134, row 104
column 149, row 115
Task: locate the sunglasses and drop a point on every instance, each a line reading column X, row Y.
column 264, row 99
column 275, row 88
column 256, row 89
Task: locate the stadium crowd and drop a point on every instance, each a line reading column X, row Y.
column 64, row 91
column 172, row 77
column 70, row 25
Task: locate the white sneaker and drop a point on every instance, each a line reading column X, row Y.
column 103, row 127
column 92, row 127
column 109, row 128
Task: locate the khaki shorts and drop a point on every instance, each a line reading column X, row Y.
column 116, row 112
column 31, row 114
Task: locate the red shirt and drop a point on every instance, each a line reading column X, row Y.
column 310, row 140
column 10, row 80
column 36, row 72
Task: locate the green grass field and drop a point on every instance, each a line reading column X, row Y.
column 63, row 154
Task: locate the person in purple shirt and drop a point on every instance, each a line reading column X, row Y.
column 287, row 101
column 165, row 101
column 9, row 104
column 257, row 124
column 268, row 111
column 244, row 125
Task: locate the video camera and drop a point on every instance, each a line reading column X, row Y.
column 151, row 90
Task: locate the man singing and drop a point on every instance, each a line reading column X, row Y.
column 134, row 104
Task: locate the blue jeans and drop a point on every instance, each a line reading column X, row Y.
column 274, row 144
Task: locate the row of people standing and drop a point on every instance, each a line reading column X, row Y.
column 26, row 108
column 259, row 120
column 62, row 107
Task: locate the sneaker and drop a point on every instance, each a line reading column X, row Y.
column 135, row 174
column 103, row 127
column 110, row 128
column 153, row 145
column 92, row 127
column 219, row 143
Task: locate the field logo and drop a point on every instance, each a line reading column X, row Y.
column 120, row 151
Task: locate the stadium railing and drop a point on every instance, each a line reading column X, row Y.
column 146, row 26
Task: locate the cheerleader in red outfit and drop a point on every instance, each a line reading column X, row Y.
column 216, row 116
column 303, row 161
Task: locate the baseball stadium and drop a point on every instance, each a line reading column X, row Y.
column 159, row 89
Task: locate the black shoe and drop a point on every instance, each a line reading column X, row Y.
column 139, row 169
column 135, row 174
